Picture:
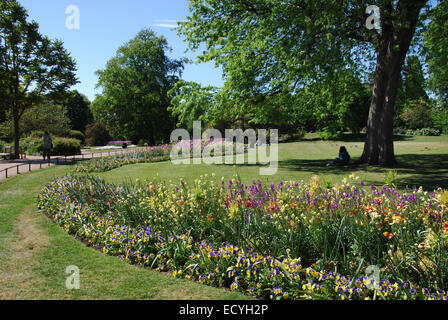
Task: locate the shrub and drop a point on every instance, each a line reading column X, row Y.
column 417, row 114
column 328, row 135
column 75, row 134
column 2, row 145
column 440, row 119
column 97, row 134
column 423, row 132
column 399, row 130
column 142, row 142
column 66, row 147
column 32, row 145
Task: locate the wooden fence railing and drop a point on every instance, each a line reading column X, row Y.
column 63, row 160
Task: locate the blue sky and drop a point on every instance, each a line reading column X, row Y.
column 105, row 25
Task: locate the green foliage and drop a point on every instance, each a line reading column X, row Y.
column 417, row 114
column 75, row 134
column 32, row 145
column 47, row 116
column 192, row 102
column 135, row 84
column 78, row 111
column 436, row 42
column 66, row 147
column 390, row 178
column 2, row 145
column 97, row 134
column 440, row 118
column 423, row 132
column 32, row 66
column 411, row 88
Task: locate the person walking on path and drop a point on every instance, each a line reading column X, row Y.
column 48, row 145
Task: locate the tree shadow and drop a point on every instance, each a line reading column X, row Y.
column 427, row 170
column 356, row 137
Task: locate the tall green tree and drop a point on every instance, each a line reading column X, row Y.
column 267, row 47
column 78, row 111
column 411, row 88
column 32, row 67
column 436, row 44
column 135, row 87
column 192, row 102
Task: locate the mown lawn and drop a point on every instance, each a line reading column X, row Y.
column 34, row 255
column 34, row 252
column 423, row 161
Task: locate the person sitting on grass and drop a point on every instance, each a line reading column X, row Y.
column 344, row 158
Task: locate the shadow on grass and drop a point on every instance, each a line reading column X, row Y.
column 429, row 171
column 361, row 137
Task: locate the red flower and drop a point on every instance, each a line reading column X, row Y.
column 388, row 235
column 248, row 204
column 210, row 217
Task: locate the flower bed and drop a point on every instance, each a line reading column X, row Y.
column 150, row 154
column 287, row 241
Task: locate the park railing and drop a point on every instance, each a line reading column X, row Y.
column 62, row 160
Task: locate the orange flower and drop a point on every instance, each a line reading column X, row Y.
column 210, row 217
column 293, row 205
column 388, row 235
column 351, row 214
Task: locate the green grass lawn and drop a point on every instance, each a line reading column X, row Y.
column 423, row 161
column 34, row 252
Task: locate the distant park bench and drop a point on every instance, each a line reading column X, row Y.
column 9, row 153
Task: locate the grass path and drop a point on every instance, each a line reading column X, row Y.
column 34, row 254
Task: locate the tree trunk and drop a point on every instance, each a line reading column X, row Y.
column 393, row 46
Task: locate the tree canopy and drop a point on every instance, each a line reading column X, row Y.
column 269, row 48
column 32, row 67
column 135, row 84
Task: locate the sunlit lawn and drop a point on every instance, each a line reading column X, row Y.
column 423, row 161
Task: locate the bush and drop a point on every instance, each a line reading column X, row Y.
column 423, row 132
column 417, row 114
column 2, row 145
column 32, row 145
column 97, row 134
column 400, row 130
column 440, row 119
column 328, row 135
column 66, row 147
column 75, row 134
column 142, row 142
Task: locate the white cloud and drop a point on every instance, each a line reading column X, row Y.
column 166, row 23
